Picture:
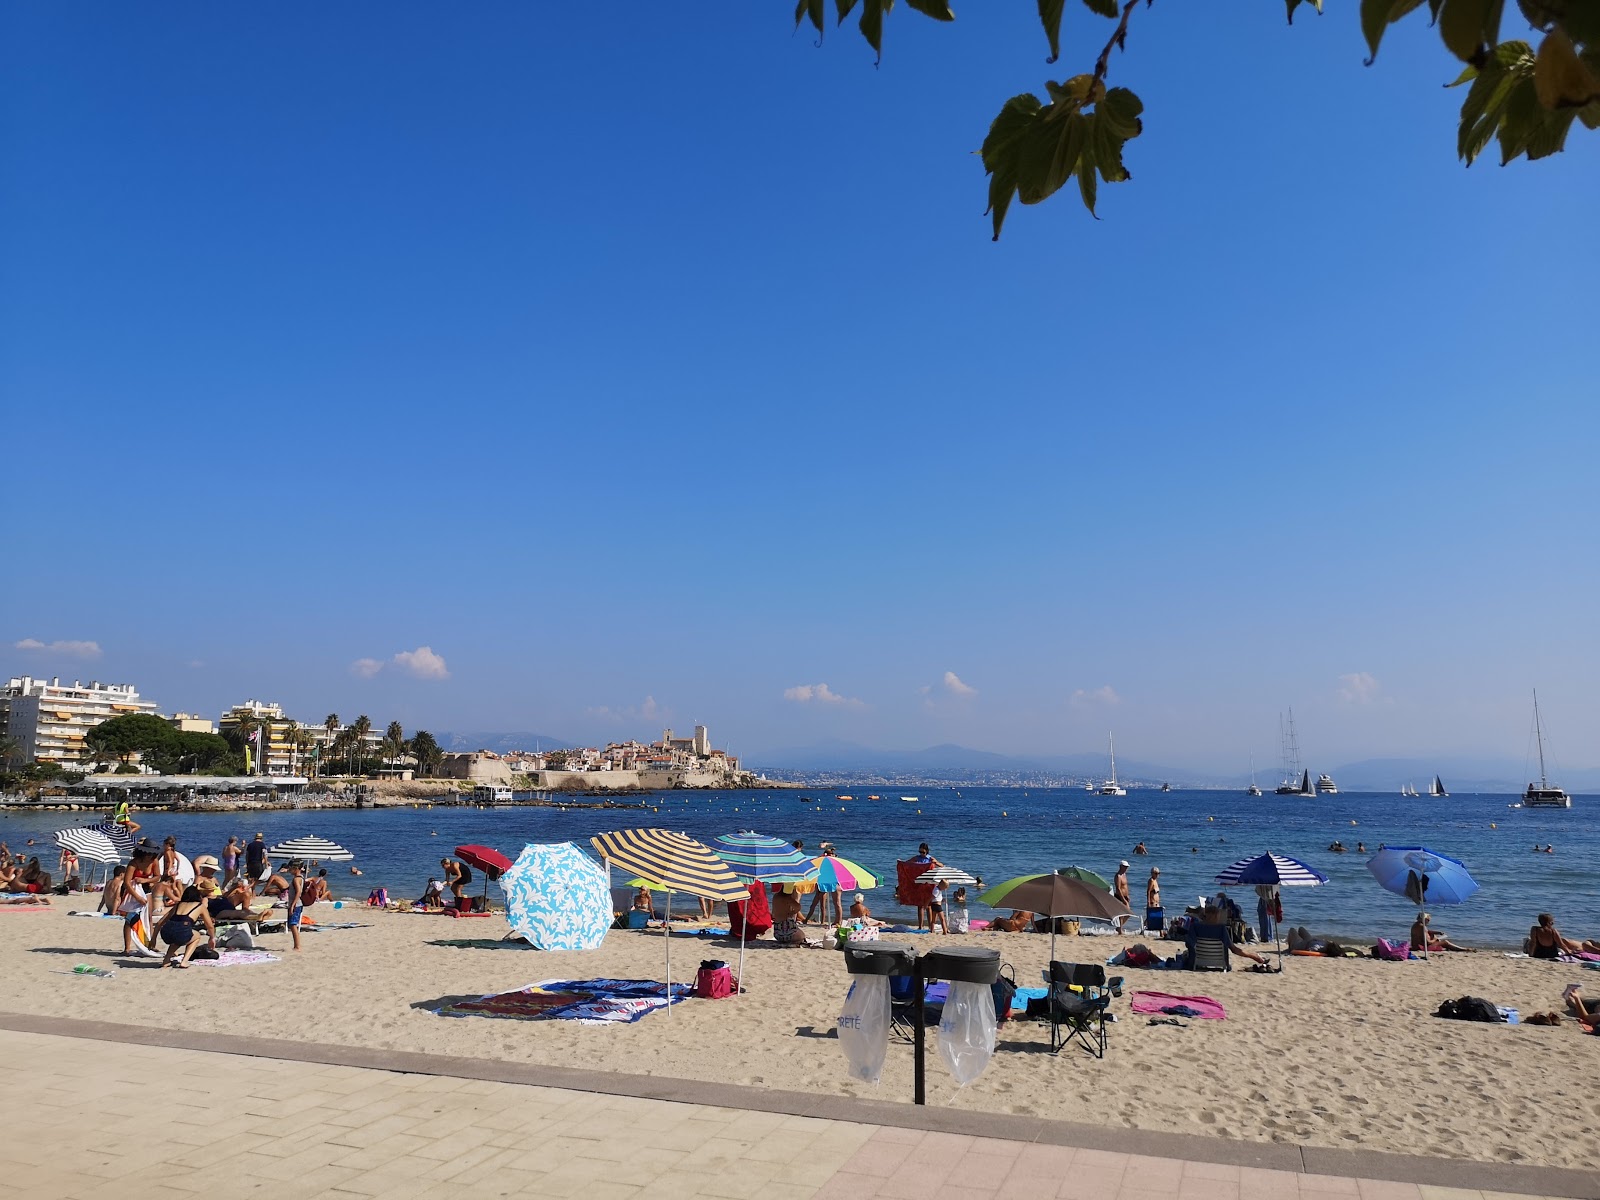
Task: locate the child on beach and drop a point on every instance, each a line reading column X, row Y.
column 959, row 920
column 293, row 899
column 936, row 909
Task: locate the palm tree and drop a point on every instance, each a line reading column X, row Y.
column 394, row 741
column 304, row 739
column 10, row 751
column 361, row 727
column 247, row 723
column 291, row 739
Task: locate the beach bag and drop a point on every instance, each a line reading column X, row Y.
column 236, row 938
column 713, row 983
column 480, row 904
column 1005, row 989
column 205, row 954
column 1469, row 1008
column 867, row 933
column 1391, row 951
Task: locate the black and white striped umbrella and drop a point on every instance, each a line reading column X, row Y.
column 946, row 875
column 90, row 845
column 119, row 835
column 311, row 847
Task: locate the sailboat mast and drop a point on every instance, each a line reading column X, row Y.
column 1113, row 742
column 1538, row 734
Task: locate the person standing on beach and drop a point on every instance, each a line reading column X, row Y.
column 230, row 859
column 292, row 900
column 925, row 860
column 1154, row 918
column 255, row 860
column 1119, row 884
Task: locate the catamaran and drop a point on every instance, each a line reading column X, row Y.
column 1544, row 794
column 1111, row 787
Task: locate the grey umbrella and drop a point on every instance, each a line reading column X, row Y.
column 1054, row 895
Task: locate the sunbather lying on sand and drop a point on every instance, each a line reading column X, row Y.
column 1587, row 1011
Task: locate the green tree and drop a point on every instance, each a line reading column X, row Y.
column 134, row 733
column 394, row 741
column 360, row 727
column 427, row 752
column 556, row 760
column 1525, row 97
column 10, row 751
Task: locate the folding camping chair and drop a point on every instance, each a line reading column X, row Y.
column 1210, row 948
column 1083, row 1012
column 903, row 1008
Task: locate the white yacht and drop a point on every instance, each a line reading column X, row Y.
column 1111, row 787
column 1253, row 790
column 489, row 794
column 1290, row 786
column 1326, row 786
column 1543, row 794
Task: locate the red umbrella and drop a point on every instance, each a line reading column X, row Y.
column 487, row 859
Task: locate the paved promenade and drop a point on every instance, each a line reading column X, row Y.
column 91, row 1119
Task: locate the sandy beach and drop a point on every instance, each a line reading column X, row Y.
column 1337, row 1053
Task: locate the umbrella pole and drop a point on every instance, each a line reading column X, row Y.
column 744, row 932
column 666, row 932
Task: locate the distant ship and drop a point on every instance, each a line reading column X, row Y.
column 1166, row 787
column 1326, row 786
column 844, row 797
column 909, row 799
column 1407, row 790
column 1253, row 790
column 1291, row 762
column 1436, row 788
column 1545, row 794
column 1111, row 787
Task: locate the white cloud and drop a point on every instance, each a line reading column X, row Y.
column 1100, row 697
column 819, row 693
column 952, row 683
column 63, row 649
column 648, row 711
column 1359, row 688
column 423, row 663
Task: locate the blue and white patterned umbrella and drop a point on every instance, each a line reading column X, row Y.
column 557, row 897
column 1277, row 870
column 119, row 835
column 90, row 845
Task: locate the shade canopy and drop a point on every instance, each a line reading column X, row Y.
column 1271, row 870
column 557, row 897
column 1055, row 896
column 320, row 849
column 757, row 857
column 1421, row 875
column 486, row 858
column 674, row 860
column 90, row 845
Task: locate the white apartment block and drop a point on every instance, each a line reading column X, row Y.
column 50, row 721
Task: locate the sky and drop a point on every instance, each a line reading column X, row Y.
column 584, row 371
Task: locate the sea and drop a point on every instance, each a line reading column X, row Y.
column 997, row 833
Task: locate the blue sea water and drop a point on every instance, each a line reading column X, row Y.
column 996, row 833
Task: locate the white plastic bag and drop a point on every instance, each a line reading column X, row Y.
column 864, row 1026
column 966, row 1032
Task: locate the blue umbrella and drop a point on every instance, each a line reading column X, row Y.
column 1271, row 870
column 761, row 859
column 1422, row 876
column 557, row 898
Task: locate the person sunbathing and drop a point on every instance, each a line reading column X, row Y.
column 1423, row 936
column 1586, row 1011
column 1544, row 940
column 860, row 912
column 1018, row 922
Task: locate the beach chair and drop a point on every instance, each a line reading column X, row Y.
column 903, row 1006
column 1081, row 1014
column 1210, row 948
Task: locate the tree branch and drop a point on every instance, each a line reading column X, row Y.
column 1118, row 40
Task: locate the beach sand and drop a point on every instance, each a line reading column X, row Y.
column 1339, row 1053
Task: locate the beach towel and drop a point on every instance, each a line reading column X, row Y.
column 758, row 912
column 587, row 1001
column 1162, row 1002
column 1020, row 998
column 334, row 925
column 235, row 958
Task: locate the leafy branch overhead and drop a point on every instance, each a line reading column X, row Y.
column 1525, row 97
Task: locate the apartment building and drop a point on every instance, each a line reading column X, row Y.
column 50, row 721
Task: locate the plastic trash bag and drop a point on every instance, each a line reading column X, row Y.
column 966, row 1033
column 863, row 1026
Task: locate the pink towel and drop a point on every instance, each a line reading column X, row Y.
column 1154, row 1002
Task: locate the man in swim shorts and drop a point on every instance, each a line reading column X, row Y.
column 292, row 899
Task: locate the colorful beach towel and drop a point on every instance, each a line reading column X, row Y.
column 587, row 1001
column 1203, row 1007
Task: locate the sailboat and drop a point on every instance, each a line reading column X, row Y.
column 1291, row 762
column 1436, row 788
column 1545, row 795
column 1111, row 787
column 1253, row 789
column 1407, row 790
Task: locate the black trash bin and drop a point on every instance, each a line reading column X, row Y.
column 960, row 964
column 880, row 958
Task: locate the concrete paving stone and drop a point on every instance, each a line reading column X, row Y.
column 912, row 1181
column 1208, row 1189
column 1143, row 1171
column 1109, row 1160
column 372, row 1132
column 1329, row 1183
column 880, row 1158
column 1090, row 1183
column 984, row 1172
column 809, row 1174
column 845, row 1185
column 952, row 1192
column 715, row 1153
column 1384, row 1189
column 1434, row 1192
column 442, row 1149
column 1045, row 1162
column 943, row 1149
column 1031, row 1189
column 1205, row 1170
column 996, row 1147
column 473, row 1166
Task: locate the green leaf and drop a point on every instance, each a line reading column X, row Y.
column 1088, row 186
column 1108, row 8
column 871, row 23
column 1122, row 108
column 809, row 8
column 1049, row 155
column 1050, row 18
column 939, row 10
column 1374, row 20
column 1560, row 77
column 1294, row 4
column 1461, row 25
column 1002, row 150
column 1484, row 107
column 843, row 8
column 1105, row 148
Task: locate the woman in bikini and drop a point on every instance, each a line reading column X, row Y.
column 1545, row 941
column 178, row 929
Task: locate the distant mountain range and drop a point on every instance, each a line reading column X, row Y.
column 950, row 761
column 500, row 743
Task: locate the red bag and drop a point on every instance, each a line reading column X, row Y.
column 713, row 983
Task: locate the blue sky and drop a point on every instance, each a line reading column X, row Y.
column 647, row 371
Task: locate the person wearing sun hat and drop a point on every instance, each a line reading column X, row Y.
column 205, row 875
column 1119, row 885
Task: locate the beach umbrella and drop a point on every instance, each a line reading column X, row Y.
column 1053, row 896
column 830, row 873
column 1422, row 876
column 945, row 875
column 1084, row 875
column 119, row 835
column 557, row 898
column 1271, row 870
column 760, row 859
column 90, row 845
column 487, row 859
column 309, row 847
column 674, row 860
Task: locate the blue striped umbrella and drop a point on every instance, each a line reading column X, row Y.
column 1422, row 876
column 1272, row 870
column 1278, row 870
column 759, row 858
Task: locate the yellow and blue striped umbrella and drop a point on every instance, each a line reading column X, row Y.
column 674, row 860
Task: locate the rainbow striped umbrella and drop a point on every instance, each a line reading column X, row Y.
column 755, row 856
column 835, row 874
